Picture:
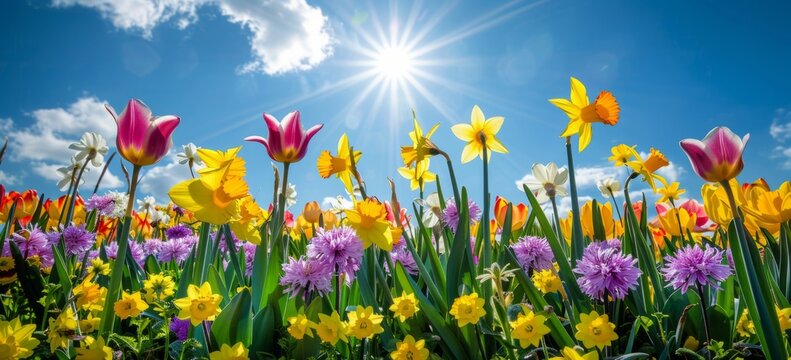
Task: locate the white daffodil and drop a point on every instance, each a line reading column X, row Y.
column 291, row 194
column 548, row 181
column 339, row 204
column 432, row 211
column 609, row 187
column 69, row 173
column 91, row 146
column 189, row 155
column 146, row 204
column 160, row 217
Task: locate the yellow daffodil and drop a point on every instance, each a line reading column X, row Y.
column 215, row 196
column 200, row 304
column 648, row 167
column 784, row 316
column 419, row 175
column 94, row 350
column 340, row 165
column 99, row 267
column 570, row 353
column 86, row 292
column 7, row 270
column 130, row 305
column 595, row 330
column 547, row 281
column 251, row 217
column 421, row 147
column 159, row 287
column 480, row 130
column 369, row 221
column 61, row 329
column 404, row 306
column 622, row 154
column 582, row 114
column 678, row 221
column 16, row 340
column 468, row 309
column 89, row 324
column 745, row 327
column 670, row 192
column 236, row 352
column 364, row 323
column 529, row 328
column 409, row 349
column 299, row 326
column 331, row 329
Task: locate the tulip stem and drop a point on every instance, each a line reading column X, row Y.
column 702, row 295
column 556, row 217
column 281, row 211
column 132, row 189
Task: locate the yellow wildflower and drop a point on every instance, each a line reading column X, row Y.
column 159, row 287
column 784, row 316
column 200, row 304
column 569, row 353
column 745, row 327
column 419, row 175
column 410, row 349
column 330, row 328
column 130, row 305
column 364, row 323
column 670, row 192
column 404, row 306
column 300, row 326
column 582, row 114
column 99, row 267
column 236, row 352
column 87, row 292
column 468, row 309
column 622, row 154
column 648, row 167
column 595, row 330
column 95, row 350
column 251, row 217
column 61, row 329
column 89, row 323
column 529, row 328
column 480, row 130
column 369, row 221
column 340, row 165
column 16, row 340
column 547, row 281
column 421, row 147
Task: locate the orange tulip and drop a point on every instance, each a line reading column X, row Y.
column 518, row 213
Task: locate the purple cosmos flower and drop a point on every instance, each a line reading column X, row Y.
column 178, row 231
column 450, row 216
column 103, row 204
column 78, row 240
column 304, row 276
column 180, row 328
column 692, row 265
column 533, row 253
column 338, row 249
column 606, row 270
column 174, row 250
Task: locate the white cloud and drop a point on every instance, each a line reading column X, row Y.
column 781, row 125
column 564, row 205
column 44, row 143
column 784, row 154
column 286, row 35
column 588, row 176
column 9, row 180
column 157, row 180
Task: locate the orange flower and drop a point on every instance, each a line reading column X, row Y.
column 55, row 208
column 141, row 224
column 26, row 203
column 518, row 213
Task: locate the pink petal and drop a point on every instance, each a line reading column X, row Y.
column 261, row 141
column 159, row 141
column 724, row 146
column 308, row 135
column 293, row 134
column 698, row 157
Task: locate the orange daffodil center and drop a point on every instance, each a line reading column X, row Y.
column 479, row 133
column 582, row 114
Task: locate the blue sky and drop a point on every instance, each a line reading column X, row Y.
column 677, row 68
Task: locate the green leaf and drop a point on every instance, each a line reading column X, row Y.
column 235, row 322
column 30, row 280
column 459, row 253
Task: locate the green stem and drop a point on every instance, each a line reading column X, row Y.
column 577, row 245
column 452, row 175
column 556, row 218
column 616, row 206
column 702, row 295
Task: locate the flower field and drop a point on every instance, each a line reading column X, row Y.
column 215, row 273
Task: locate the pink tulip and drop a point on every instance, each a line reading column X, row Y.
column 702, row 223
column 288, row 140
column 142, row 138
column 718, row 157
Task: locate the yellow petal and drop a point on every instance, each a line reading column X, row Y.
column 493, row 125
column 573, row 127
column 464, row 132
column 343, row 146
column 432, row 130
column 495, row 145
column 586, row 133
column 476, row 117
column 579, row 95
column 181, row 196
column 470, row 151
column 573, row 111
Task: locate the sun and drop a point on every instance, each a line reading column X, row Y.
column 394, row 63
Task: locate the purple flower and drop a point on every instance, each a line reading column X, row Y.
column 450, row 216
column 33, row 244
column 403, row 256
column 103, row 204
column 78, row 240
column 606, row 270
column 152, row 246
column 223, row 243
column 249, row 257
column 692, row 265
column 604, row 245
column 180, row 328
column 304, row 276
column 138, row 254
column 174, row 250
column 533, row 253
column 338, row 249
column 178, row 231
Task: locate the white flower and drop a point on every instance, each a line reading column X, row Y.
column 120, row 200
column 91, row 146
column 291, row 194
column 146, row 204
column 609, row 187
column 338, row 205
column 432, row 210
column 189, row 155
column 68, row 174
column 159, row 216
column 547, row 181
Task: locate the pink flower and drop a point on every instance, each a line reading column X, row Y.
column 143, row 139
column 718, row 157
column 692, row 206
column 288, row 140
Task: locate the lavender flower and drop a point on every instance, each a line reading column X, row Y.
column 152, row 246
column 304, row 276
column 223, row 243
column 103, row 204
column 604, row 245
column 34, row 244
column 174, row 250
column 178, row 231
column 450, row 216
column 180, row 328
column 403, row 256
column 249, row 257
column 533, row 253
column 339, row 248
column 606, row 270
column 138, row 254
column 692, row 265
column 77, row 239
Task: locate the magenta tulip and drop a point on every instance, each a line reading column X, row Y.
column 718, row 157
column 143, row 139
column 288, row 140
